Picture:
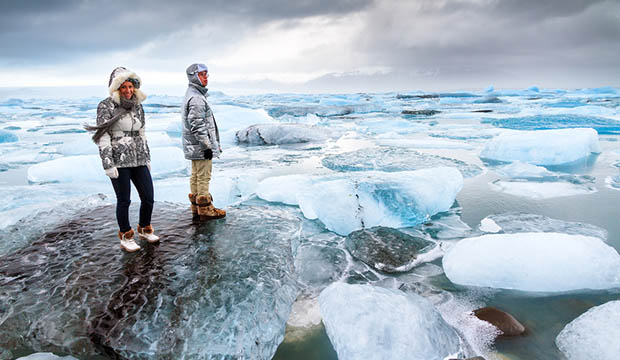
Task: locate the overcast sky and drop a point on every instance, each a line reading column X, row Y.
column 315, row 45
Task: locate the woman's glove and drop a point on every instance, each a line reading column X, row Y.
column 112, row 172
column 148, row 165
column 208, row 154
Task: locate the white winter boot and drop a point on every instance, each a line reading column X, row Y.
column 127, row 242
column 148, row 234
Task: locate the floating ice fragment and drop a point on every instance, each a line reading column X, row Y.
column 534, row 262
column 277, row 134
column 365, row 321
column 542, row 190
column 592, row 335
column 543, row 147
column 488, row 225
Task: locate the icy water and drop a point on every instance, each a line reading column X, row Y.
column 298, row 175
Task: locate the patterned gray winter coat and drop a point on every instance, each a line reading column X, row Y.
column 124, row 145
column 199, row 128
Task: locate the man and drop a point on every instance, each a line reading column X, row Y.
column 201, row 142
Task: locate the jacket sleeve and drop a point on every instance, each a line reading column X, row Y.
column 143, row 134
column 104, row 114
column 196, row 118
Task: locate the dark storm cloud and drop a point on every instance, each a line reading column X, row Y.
column 40, row 31
column 498, row 39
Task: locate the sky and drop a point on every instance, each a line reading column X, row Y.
column 314, row 45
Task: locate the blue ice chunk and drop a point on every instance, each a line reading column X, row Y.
column 544, row 122
column 366, row 199
column 489, row 89
column 6, row 137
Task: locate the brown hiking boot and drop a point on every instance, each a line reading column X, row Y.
column 206, row 210
column 194, row 206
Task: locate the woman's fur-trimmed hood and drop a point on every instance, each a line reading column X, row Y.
column 118, row 77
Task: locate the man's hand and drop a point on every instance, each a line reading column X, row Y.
column 208, row 154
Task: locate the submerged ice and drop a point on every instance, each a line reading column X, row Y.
column 530, row 261
column 367, row 321
column 217, row 290
column 393, row 159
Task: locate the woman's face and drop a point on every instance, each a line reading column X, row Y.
column 126, row 90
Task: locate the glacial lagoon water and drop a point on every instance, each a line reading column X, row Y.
column 305, row 171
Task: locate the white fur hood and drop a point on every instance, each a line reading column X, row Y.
column 118, row 77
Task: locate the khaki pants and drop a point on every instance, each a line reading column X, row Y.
column 201, row 175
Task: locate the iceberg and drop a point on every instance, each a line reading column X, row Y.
column 277, row 134
column 544, row 262
column 367, row 199
column 87, row 168
column 392, row 159
column 543, row 147
column 364, row 321
column 216, row 290
column 593, row 335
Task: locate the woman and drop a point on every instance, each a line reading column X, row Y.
column 120, row 135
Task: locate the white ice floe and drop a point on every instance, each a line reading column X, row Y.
column 542, row 190
column 488, row 225
column 85, row 168
column 534, row 262
column 364, row 321
column 593, row 335
column 543, row 147
column 348, row 202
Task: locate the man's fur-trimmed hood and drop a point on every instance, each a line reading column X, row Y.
column 118, row 77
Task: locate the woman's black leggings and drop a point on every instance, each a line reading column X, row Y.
column 140, row 176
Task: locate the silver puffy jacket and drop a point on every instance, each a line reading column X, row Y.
column 199, row 128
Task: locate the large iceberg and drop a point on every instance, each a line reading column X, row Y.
column 215, row 290
column 368, row 322
column 543, row 147
column 593, row 335
column 543, row 262
column 277, row 134
column 345, row 203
